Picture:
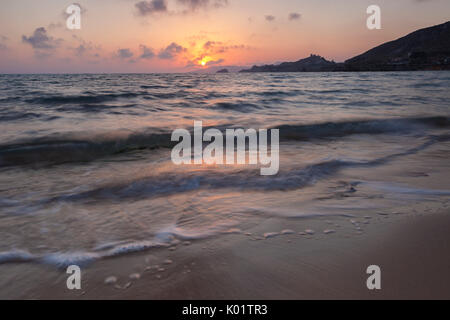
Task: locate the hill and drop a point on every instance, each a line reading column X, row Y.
column 427, row 48
column 424, row 49
column 310, row 64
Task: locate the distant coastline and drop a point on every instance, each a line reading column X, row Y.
column 424, row 49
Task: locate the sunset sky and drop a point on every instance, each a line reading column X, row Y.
column 186, row 35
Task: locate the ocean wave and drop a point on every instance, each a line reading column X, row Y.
column 47, row 151
column 65, row 149
column 15, row 256
column 9, row 99
column 245, row 180
column 98, row 108
column 82, row 99
column 164, row 238
column 237, row 106
column 13, row 116
column 153, row 87
column 165, row 184
column 345, row 128
column 280, row 93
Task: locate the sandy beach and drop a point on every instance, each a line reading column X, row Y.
column 411, row 249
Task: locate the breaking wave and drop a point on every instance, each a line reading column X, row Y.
column 64, row 149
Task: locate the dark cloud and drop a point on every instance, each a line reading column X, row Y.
column 217, row 45
column 197, row 4
column 270, row 18
column 84, row 48
column 220, row 3
column 214, row 47
column 171, row 51
column 124, row 53
column 147, row 53
column 149, row 7
column 40, row 40
column 194, row 4
column 214, row 62
column 294, row 16
column 210, row 44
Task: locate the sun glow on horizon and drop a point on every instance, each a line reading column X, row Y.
column 203, row 61
column 195, row 35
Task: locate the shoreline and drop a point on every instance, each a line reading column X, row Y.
column 411, row 249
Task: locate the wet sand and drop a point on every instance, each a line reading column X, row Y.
column 412, row 249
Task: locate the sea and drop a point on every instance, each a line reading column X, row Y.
column 86, row 170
